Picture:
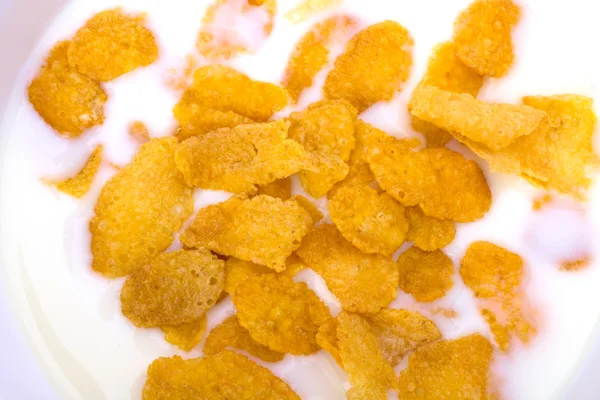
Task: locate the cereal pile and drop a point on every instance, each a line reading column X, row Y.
column 381, row 191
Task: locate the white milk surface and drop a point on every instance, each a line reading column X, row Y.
column 72, row 315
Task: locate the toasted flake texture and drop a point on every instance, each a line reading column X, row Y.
column 493, row 125
column 363, row 283
column 370, row 374
column 208, row 120
column 226, row 375
column 447, row 72
column 175, row 288
column 495, row 276
column 225, row 89
column 482, row 35
column 237, row 271
column 374, row 222
column 111, row 44
column 443, row 183
column 427, row 276
column 263, row 229
column 559, row 155
column 281, row 314
column 139, row 132
column 311, row 53
column 79, row 185
column 231, row 334
column 326, row 130
column 309, row 206
column 376, row 63
column 240, row 159
column 327, row 339
column 139, row 210
column 448, row 370
column 185, row 336
column 401, row 331
column 67, row 100
column 281, row 189
column 428, row 233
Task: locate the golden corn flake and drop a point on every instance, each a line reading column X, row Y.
column 230, row 334
column 240, row 159
column 363, row 283
column 401, row 331
column 226, row 375
column 263, row 229
column 326, row 130
column 309, row 8
column 67, row 101
column 139, row 210
column 428, row 233
column 80, row 184
column 376, row 63
column 309, row 206
column 443, row 183
column 374, row 222
column 482, row 36
column 427, row 276
column 281, row 188
column 281, row 314
column 369, row 373
column 185, row 336
column 208, row 120
column 256, row 2
column 493, row 125
column 447, row 72
column 237, row 271
column 175, row 288
column 311, row 53
column 225, row 89
column 448, row 370
column 327, row 339
column 139, row 132
column 495, row 276
column 111, row 44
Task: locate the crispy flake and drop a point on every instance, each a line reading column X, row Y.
column 309, row 8
column 240, row 159
column 309, row 206
column 327, row 339
column 448, row 370
column 263, row 229
column 281, row 314
column 363, row 283
column 208, row 120
column 68, row 101
column 281, row 188
column 173, row 289
column 428, row 233
column 230, row 334
column 139, row 132
column 237, row 271
column 226, row 375
column 139, row 210
column 79, row 185
column 185, row 336
column 492, row 125
column 482, row 35
column 427, row 276
column 111, row 44
column 376, row 63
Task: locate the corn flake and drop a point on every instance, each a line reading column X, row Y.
column 309, row 8
column 240, row 159
column 493, row 125
column 326, row 130
column 231, row 334
column 185, row 336
column 309, row 206
column 401, row 331
column 263, row 229
column 139, row 210
column 78, row 185
column 428, row 233
column 448, row 370
column 225, row 89
column 281, row 188
column 369, row 373
column 139, row 132
column 427, row 276
column 374, row 222
column 280, row 313
column 327, row 339
column 111, row 44
column 226, row 375
column 237, row 271
column 376, row 63
column 209, row 120
column 174, row 289
column 363, row 283
column 482, row 36
column 67, row 101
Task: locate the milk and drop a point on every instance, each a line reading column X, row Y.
column 72, row 315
